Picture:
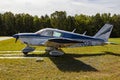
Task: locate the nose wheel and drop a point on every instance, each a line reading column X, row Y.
column 25, row 53
column 27, row 49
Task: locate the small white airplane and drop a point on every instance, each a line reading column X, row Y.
column 54, row 39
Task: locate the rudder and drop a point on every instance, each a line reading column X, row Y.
column 104, row 32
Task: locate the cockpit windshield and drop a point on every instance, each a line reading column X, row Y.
column 45, row 32
column 38, row 32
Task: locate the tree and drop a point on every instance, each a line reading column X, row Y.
column 116, row 22
column 28, row 23
column 1, row 25
column 81, row 22
column 59, row 20
column 45, row 21
column 97, row 22
column 8, row 23
column 19, row 23
column 36, row 23
column 70, row 23
column 14, row 23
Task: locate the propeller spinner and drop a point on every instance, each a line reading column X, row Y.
column 16, row 36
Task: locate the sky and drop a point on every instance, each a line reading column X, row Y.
column 72, row 7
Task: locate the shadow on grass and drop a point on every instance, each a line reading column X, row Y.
column 68, row 63
column 75, row 54
column 37, row 55
column 111, row 53
column 94, row 54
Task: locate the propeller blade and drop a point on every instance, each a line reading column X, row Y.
column 16, row 36
column 16, row 39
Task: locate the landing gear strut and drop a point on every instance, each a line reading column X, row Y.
column 54, row 51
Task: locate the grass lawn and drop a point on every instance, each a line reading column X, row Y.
column 85, row 63
column 10, row 45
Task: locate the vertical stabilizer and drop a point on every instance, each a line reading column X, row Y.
column 104, row 32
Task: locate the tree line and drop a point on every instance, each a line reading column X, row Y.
column 17, row 23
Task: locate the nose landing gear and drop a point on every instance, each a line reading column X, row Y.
column 27, row 49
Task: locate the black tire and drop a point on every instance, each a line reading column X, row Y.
column 25, row 53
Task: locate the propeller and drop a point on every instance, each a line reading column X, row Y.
column 16, row 39
column 16, row 36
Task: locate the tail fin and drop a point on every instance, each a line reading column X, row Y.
column 104, row 32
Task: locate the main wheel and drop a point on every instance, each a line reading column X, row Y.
column 25, row 53
column 56, row 53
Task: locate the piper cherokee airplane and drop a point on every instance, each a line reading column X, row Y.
column 54, row 39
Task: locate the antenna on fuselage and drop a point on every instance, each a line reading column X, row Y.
column 84, row 33
column 74, row 30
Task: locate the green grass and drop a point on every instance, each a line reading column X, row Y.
column 10, row 45
column 85, row 63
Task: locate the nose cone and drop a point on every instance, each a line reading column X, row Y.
column 15, row 35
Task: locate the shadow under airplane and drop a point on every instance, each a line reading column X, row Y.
column 68, row 63
column 75, row 54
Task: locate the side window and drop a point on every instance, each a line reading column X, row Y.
column 46, row 33
column 56, row 34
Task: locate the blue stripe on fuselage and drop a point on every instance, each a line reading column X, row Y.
column 78, row 36
column 65, row 34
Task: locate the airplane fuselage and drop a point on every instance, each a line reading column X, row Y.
column 36, row 39
column 54, row 39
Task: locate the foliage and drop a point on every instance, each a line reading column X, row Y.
column 17, row 23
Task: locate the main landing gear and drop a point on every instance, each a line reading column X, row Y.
column 54, row 51
column 51, row 50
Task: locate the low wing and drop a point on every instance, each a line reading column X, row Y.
column 58, row 43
